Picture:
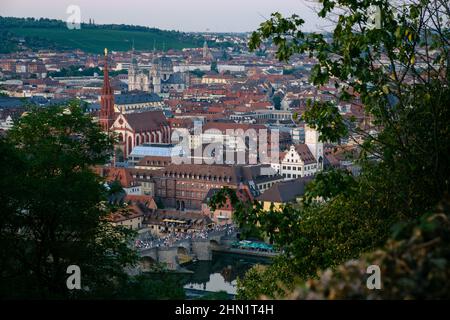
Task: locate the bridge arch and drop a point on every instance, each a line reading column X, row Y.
column 146, row 263
column 214, row 244
column 182, row 251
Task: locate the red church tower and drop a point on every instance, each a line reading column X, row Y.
column 107, row 115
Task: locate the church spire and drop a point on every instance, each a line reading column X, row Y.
column 106, row 99
column 205, row 50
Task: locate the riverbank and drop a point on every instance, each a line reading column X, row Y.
column 247, row 252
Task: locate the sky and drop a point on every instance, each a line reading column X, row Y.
column 182, row 15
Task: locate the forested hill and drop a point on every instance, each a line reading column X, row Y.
column 35, row 34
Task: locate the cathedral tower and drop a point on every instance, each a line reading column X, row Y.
column 156, row 80
column 107, row 115
column 132, row 71
column 206, row 53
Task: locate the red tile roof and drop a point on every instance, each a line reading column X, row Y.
column 146, row 121
column 305, row 154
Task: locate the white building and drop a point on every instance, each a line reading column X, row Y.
column 192, row 67
column 301, row 160
column 7, row 123
column 230, row 67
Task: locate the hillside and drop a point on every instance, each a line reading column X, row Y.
column 47, row 33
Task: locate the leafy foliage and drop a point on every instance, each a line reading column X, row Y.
column 156, row 286
column 405, row 153
column 93, row 38
column 414, row 266
column 53, row 211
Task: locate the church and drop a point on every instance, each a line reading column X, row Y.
column 132, row 128
column 159, row 79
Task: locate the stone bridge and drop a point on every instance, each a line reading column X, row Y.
column 172, row 257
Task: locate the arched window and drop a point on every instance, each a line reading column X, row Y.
column 130, row 145
column 138, row 140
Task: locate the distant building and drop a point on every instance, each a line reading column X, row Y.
column 206, row 53
column 230, row 68
column 185, row 186
column 122, row 176
column 132, row 129
column 131, row 217
column 133, row 211
column 216, row 79
column 224, row 214
column 283, row 193
column 135, row 129
column 161, row 78
column 7, row 123
column 165, row 221
column 150, row 151
column 301, row 160
column 137, row 101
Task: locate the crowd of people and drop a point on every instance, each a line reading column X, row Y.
column 148, row 240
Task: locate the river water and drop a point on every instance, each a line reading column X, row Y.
column 221, row 273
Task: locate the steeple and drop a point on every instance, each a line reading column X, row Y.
column 133, row 57
column 106, row 118
column 205, row 50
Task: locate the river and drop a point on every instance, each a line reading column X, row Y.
column 221, row 273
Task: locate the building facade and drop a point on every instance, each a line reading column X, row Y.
column 135, row 129
column 132, row 129
column 161, row 78
column 301, row 160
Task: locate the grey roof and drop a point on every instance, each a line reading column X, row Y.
column 39, row 100
column 163, row 62
column 175, row 78
column 7, row 102
column 265, row 179
column 94, row 106
column 160, row 150
column 285, row 192
column 133, row 98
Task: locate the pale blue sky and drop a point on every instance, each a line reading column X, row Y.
column 184, row 15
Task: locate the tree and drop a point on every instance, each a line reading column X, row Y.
column 399, row 74
column 277, row 101
column 198, row 73
column 53, row 209
column 413, row 264
column 214, row 66
column 157, row 286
